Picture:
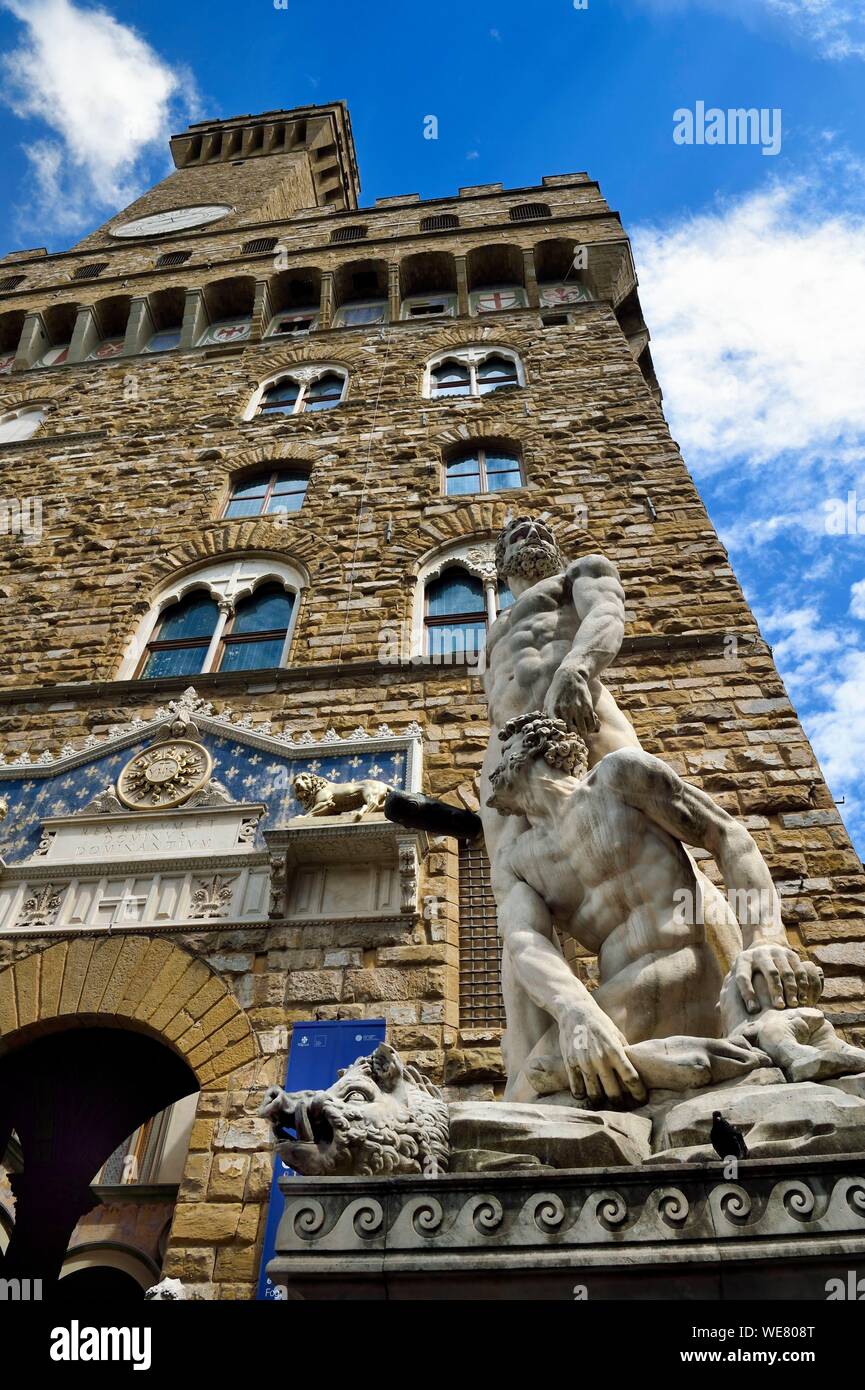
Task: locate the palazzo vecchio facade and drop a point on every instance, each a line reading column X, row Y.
column 256, row 442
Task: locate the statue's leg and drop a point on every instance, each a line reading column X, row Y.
column 615, row 730
column 525, row 1026
column 803, row 1043
column 543, row 1072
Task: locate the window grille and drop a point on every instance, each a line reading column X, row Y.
column 530, row 212
column 89, row 272
column 441, row 222
column 348, row 234
column 481, row 1003
column 260, row 243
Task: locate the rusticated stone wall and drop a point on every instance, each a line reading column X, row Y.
column 132, row 467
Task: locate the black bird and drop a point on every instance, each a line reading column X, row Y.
column 727, row 1140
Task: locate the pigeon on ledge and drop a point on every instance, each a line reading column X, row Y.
column 727, row 1140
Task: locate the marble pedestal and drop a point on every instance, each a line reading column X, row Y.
column 679, row 1231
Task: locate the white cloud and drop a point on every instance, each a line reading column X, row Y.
column 836, row 26
column 824, row 670
column 835, row 29
column 760, row 358
column 753, row 338
column 107, row 99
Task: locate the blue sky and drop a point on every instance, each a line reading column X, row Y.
column 752, row 267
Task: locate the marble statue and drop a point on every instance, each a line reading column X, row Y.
column 319, row 797
column 380, row 1117
column 549, row 650
column 688, row 990
column 166, row 1291
column 619, row 878
column 702, row 1007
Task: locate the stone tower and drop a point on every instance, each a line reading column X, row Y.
column 256, row 444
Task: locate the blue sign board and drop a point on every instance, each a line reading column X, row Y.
column 318, row 1052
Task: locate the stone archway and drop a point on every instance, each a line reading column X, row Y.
column 138, row 981
column 95, row 1037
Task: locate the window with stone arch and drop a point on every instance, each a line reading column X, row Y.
column 235, row 615
column 300, row 391
column 20, row 423
column 485, row 466
column 458, row 597
column 471, row 371
column 271, row 490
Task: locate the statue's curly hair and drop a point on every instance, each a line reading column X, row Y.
column 501, row 542
column 548, row 738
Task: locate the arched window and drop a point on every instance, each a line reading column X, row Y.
column 495, row 372
column 456, row 614
column 458, row 608
column 182, row 637
column 482, row 469
column 472, row 371
column 450, row 378
column 20, row 423
column 302, row 391
column 255, row 636
column 263, row 494
column 325, row 393
column 236, row 614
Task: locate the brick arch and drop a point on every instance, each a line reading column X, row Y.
column 349, row 356
column 477, row 520
column 292, row 540
column 462, row 335
column 480, row 430
column 19, row 395
column 147, row 983
column 242, row 459
column 482, row 520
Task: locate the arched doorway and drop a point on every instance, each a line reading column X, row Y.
column 97, row 1274
column 72, row 1095
column 96, row 1037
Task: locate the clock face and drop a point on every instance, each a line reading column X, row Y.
column 175, row 220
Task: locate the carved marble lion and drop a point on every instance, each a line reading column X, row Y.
column 381, row 1116
column 319, row 797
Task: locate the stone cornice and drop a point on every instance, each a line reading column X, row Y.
column 520, row 1227
column 397, row 922
column 112, row 692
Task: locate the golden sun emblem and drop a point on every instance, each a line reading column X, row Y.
column 164, row 776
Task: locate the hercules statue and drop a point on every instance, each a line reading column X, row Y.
column 601, row 854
